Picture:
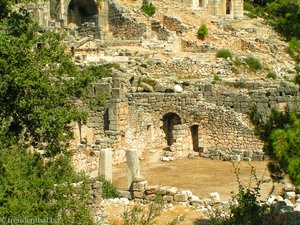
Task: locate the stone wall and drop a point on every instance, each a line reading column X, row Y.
column 124, row 25
column 175, row 24
column 212, row 122
column 220, row 129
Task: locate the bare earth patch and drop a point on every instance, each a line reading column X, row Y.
column 201, row 176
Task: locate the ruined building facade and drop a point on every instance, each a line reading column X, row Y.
column 98, row 18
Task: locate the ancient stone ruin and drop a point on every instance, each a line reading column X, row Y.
column 162, row 93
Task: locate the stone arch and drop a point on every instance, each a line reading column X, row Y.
column 195, row 137
column 169, row 121
column 81, row 11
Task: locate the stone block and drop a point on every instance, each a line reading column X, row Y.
column 180, row 197
column 152, row 190
column 257, row 157
column 140, row 186
column 168, row 198
column 215, row 197
column 194, row 199
column 290, row 195
column 163, row 190
column 289, row 188
column 125, row 194
column 172, row 191
column 139, row 194
column 151, row 197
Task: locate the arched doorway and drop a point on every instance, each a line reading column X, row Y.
column 81, row 11
column 228, row 7
column 169, row 121
column 195, row 137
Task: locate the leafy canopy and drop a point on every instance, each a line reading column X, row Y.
column 38, row 85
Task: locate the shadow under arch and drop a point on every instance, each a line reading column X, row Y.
column 169, row 121
column 81, row 11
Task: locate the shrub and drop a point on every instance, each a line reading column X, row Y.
column 244, row 206
column 140, row 215
column 224, row 53
column 148, row 9
column 202, row 31
column 253, row 63
column 217, row 77
column 272, row 75
column 108, row 189
column 294, row 48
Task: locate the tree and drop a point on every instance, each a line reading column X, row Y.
column 281, row 134
column 38, row 85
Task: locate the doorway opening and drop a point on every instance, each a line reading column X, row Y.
column 169, row 121
column 195, row 137
column 228, row 7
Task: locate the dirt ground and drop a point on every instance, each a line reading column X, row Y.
column 201, row 176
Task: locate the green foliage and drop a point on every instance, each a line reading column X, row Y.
column 285, row 146
column 38, row 85
column 272, row 75
column 202, row 31
column 244, row 206
column 217, row 77
column 297, row 77
column 224, row 53
column 285, row 15
column 253, row 63
column 138, row 215
column 281, row 134
column 294, row 48
column 33, row 188
column 108, row 189
column 148, row 9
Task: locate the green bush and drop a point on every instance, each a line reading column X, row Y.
column 108, row 189
column 245, row 207
column 253, row 63
column 33, row 188
column 272, row 75
column 202, row 31
column 217, row 77
column 294, row 48
column 148, row 9
column 224, row 53
column 140, row 216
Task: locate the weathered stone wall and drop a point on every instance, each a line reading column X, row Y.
column 175, row 24
column 161, row 32
column 124, row 25
column 193, row 46
column 220, row 129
